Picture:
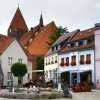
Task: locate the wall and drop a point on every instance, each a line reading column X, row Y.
column 15, row 51
column 97, row 57
column 78, row 67
column 50, row 67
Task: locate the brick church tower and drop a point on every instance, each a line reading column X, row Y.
column 18, row 25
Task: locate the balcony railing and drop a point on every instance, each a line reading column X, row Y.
column 73, row 63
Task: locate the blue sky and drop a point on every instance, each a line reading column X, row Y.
column 67, row 13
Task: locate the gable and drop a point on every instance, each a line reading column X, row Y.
column 15, row 50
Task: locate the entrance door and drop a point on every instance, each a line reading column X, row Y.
column 86, row 77
column 74, row 78
column 66, row 77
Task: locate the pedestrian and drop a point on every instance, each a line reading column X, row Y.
column 65, row 88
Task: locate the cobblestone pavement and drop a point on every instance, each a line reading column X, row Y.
column 94, row 95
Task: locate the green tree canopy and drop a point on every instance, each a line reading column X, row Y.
column 19, row 69
column 40, row 63
column 57, row 34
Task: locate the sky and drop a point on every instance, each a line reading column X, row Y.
column 73, row 14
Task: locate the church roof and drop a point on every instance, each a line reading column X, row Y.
column 39, row 44
column 18, row 21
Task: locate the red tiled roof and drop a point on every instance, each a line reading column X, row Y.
column 80, row 35
column 18, row 21
column 66, row 36
column 84, row 34
column 27, row 36
column 5, row 41
column 39, row 44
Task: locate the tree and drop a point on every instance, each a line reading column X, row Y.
column 57, row 34
column 19, row 70
column 40, row 62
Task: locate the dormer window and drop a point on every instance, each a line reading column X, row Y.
column 52, row 48
column 56, row 47
column 89, row 40
column 72, row 44
column 25, row 47
column 68, row 45
column 80, row 42
column 30, row 40
column 36, row 33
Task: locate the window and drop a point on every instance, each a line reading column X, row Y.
column 62, row 62
column 81, row 59
column 80, row 42
column 73, row 60
column 49, row 61
column 9, row 75
column 52, row 48
column 30, row 40
column 67, row 61
column 52, row 62
column 56, row 47
column 72, row 44
column 46, row 62
column 88, row 59
column 10, row 60
column 55, row 59
column 20, row 60
column 50, row 74
column 90, row 39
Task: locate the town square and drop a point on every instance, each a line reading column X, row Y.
column 50, row 49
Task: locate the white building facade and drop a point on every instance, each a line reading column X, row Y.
column 79, row 58
column 51, row 67
column 75, row 71
column 12, row 54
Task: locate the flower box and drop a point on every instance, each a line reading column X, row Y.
column 66, row 64
column 81, row 62
column 61, row 64
column 88, row 62
column 73, row 63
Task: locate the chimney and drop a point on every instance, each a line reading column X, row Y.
column 97, row 25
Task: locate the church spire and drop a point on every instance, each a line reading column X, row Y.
column 18, row 25
column 41, row 20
